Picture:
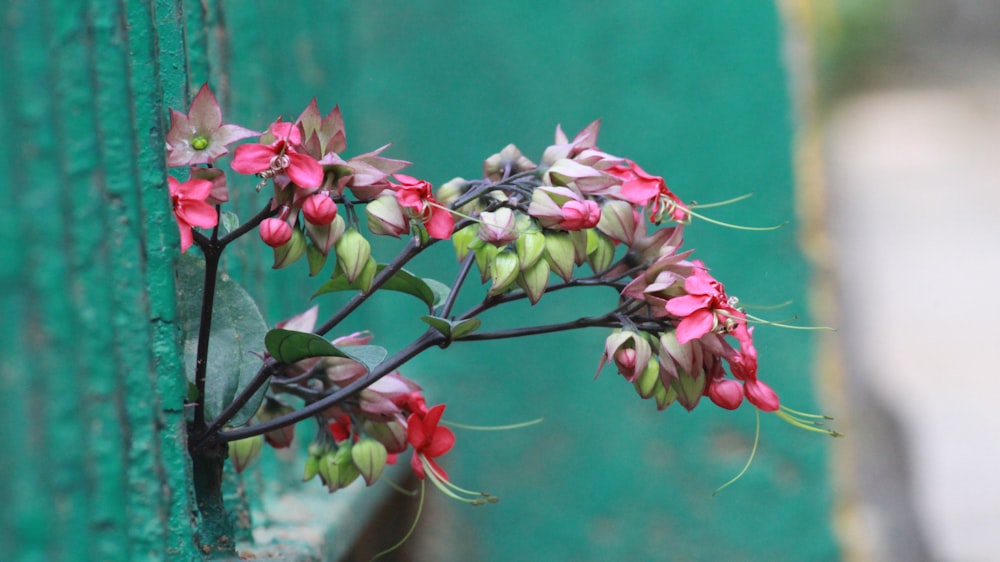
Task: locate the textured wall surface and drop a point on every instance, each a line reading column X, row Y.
column 91, row 390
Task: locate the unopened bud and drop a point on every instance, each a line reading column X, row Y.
column 618, row 221
column 530, row 246
column 353, row 252
column 311, row 468
column 647, row 379
column 275, row 232
column 689, row 388
column 385, row 216
column 450, row 191
column 534, row 280
column 290, row 253
column 463, row 240
column 278, row 438
column 329, row 471
column 559, row 253
column 319, row 208
column 498, row 228
column 600, row 251
column 369, row 457
column 244, row 451
column 505, row 269
column 665, row 395
column 725, row 393
column 324, row 237
column 391, row 434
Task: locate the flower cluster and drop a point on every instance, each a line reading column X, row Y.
column 528, row 227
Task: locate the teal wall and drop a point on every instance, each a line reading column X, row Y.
column 695, row 91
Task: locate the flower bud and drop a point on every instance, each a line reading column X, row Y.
column 579, row 238
column 530, row 246
column 391, row 434
column 485, row 254
column 319, row 208
column 289, row 253
column 600, row 251
column 450, row 191
column 689, row 387
column 385, row 216
column 725, row 393
column 329, row 471
column 498, row 228
column 509, row 160
column 367, row 276
column 244, row 451
column 664, row 395
column 646, row 381
column 353, row 252
column 534, row 280
column 275, row 232
column 463, row 240
column 324, row 237
column 278, row 438
column 559, row 253
column 618, row 221
column 310, row 469
column 504, row 270
column 369, row 457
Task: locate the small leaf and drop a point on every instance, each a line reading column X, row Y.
column 451, row 329
column 465, row 327
column 368, row 355
column 440, row 324
column 288, row 346
column 402, row 281
column 229, row 221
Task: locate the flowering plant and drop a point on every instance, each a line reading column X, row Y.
column 675, row 335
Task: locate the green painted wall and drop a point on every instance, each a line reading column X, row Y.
column 93, row 465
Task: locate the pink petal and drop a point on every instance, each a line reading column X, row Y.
column 441, row 224
column 686, row 305
column 197, row 213
column 195, row 189
column 252, row 158
column 761, row 395
column 303, row 170
column 205, row 113
column 695, row 326
column 186, row 237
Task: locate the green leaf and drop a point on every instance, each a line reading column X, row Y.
column 441, row 291
column 287, row 346
column 229, row 221
column 451, row 329
column 236, row 338
column 402, row 281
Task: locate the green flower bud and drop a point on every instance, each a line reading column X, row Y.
column 579, row 238
column 504, row 270
column 364, row 281
column 385, row 216
column 353, row 252
column 534, row 280
column 463, row 239
column 689, row 388
column 664, row 395
column 618, row 221
column 530, row 246
column 450, row 191
column 391, row 434
column 369, row 457
column 324, row 237
column 645, row 383
column 600, row 251
column 311, row 469
column 290, row 252
column 329, row 471
column 244, row 451
column 559, row 253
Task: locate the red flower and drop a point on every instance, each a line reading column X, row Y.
column 429, row 440
column 281, row 156
column 415, row 195
column 190, row 208
column 641, row 188
column 700, row 309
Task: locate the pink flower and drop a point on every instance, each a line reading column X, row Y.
column 700, row 309
column 190, row 208
column 429, row 440
column 415, row 195
column 725, row 393
column 641, row 188
column 200, row 137
column 279, row 157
